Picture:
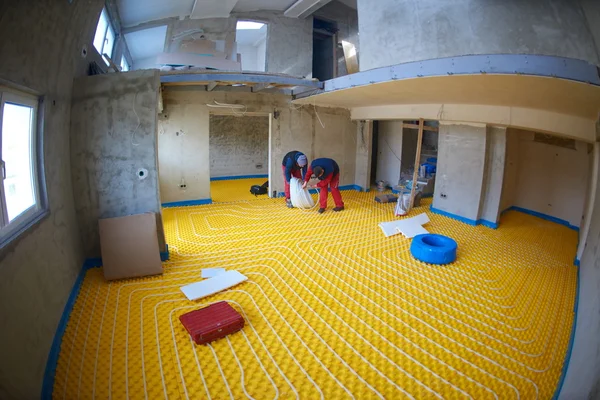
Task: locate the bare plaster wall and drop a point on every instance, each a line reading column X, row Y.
column 238, row 145
column 511, row 168
column 582, row 380
column 113, row 136
column 552, row 180
column 185, row 156
column 399, row 31
column 460, row 170
column 37, row 270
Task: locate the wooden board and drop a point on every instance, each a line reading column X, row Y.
column 129, row 246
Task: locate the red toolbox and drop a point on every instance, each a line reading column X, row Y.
column 213, row 322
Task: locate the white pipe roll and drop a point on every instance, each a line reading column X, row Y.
column 300, row 197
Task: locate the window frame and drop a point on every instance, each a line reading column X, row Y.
column 13, row 229
column 104, row 36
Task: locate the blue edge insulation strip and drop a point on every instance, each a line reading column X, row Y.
column 48, row 383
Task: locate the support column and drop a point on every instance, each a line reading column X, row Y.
column 364, row 147
column 493, row 176
column 460, row 171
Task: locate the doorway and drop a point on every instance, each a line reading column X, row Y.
column 324, row 49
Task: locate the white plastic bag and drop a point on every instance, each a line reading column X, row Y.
column 300, row 197
column 403, row 204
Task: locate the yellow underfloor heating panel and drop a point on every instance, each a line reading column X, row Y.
column 333, row 310
column 231, row 190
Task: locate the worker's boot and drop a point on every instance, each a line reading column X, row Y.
column 288, row 203
column 338, row 208
column 321, row 210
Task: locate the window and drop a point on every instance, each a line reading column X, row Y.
column 104, row 40
column 124, row 64
column 20, row 189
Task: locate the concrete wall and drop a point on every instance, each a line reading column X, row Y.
column 552, row 180
column 113, row 125
column 493, row 174
column 288, row 44
column 399, row 31
column 390, row 152
column 238, row 145
column 582, row 380
column 38, row 269
column 460, row 170
column 511, row 168
column 181, row 156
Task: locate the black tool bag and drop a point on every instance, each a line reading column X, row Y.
column 260, row 189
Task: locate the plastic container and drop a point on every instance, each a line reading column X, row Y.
column 434, row 249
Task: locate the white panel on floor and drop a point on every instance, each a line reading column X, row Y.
column 214, row 285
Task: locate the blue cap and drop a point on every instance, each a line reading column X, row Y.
column 302, row 161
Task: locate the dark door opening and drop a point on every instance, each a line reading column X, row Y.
column 324, row 49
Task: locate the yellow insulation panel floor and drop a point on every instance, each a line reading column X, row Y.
column 230, row 190
column 333, row 310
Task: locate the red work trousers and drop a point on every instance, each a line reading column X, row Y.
column 333, row 181
column 296, row 174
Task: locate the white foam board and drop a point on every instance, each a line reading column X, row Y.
column 212, row 272
column 213, row 285
column 409, row 227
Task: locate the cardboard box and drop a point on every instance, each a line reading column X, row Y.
column 129, row 246
column 386, row 198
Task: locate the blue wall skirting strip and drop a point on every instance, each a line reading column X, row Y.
column 50, row 372
column 228, row 178
column 567, row 360
column 543, row 216
column 164, row 255
column 576, row 262
column 97, row 261
column 184, row 203
column 468, row 221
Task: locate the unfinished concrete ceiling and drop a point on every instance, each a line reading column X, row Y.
column 135, row 12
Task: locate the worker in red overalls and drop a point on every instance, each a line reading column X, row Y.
column 327, row 172
column 293, row 165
